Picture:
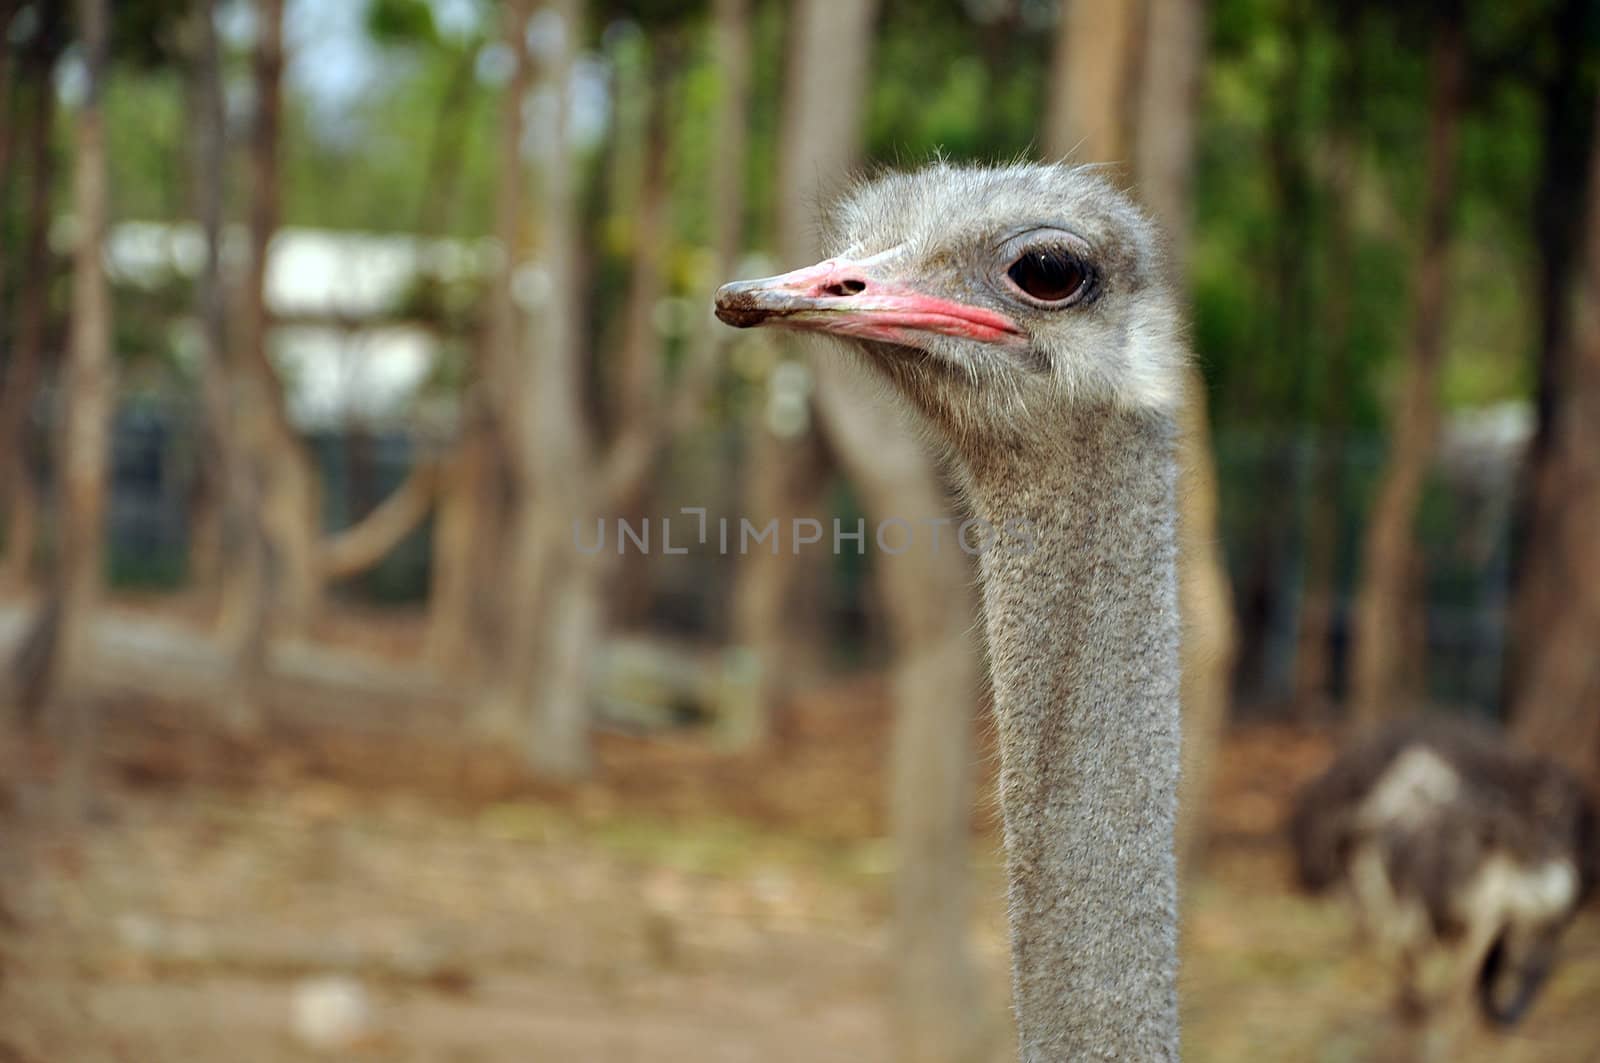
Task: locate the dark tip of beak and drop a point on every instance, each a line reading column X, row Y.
column 741, row 305
column 740, row 311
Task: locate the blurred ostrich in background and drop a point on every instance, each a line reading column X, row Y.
column 1465, row 860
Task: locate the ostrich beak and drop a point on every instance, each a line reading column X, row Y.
column 854, row 298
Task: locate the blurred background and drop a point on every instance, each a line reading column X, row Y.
column 331, row 334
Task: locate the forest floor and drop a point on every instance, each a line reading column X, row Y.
column 684, row 905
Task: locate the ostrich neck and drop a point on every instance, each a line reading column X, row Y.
column 1083, row 639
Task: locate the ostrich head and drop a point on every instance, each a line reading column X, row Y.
column 994, row 299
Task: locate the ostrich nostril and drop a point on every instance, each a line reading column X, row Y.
column 847, row 287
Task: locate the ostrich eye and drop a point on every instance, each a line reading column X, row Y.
column 1049, row 274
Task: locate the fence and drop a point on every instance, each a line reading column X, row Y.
column 1270, row 487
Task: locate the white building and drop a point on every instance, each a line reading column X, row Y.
column 344, row 354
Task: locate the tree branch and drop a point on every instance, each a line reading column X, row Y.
column 363, row 544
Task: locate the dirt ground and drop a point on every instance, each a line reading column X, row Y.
column 686, row 905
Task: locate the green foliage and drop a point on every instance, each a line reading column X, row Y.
column 383, row 177
column 406, row 22
column 1282, row 330
column 147, row 34
column 948, row 85
column 147, row 145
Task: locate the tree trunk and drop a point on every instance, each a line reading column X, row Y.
column 469, row 541
column 776, row 598
column 1168, row 101
column 1559, row 209
column 1267, row 598
column 18, row 499
column 459, row 536
column 1313, row 661
column 1092, row 81
column 927, row 601
column 8, row 137
column 555, row 452
column 553, row 592
column 288, row 505
column 1205, row 604
column 207, row 125
column 746, row 724
column 727, row 172
column 926, row 591
column 557, row 744
column 1390, row 561
column 262, row 586
column 638, row 385
column 85, row 436
column 274, row 580
column 500, row 373
column 777, row 606
column 1556, row 706
column 234, row 478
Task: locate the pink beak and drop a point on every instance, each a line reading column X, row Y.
column 851, row 298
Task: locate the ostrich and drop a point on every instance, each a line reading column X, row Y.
column 1464, row 858
column 1025, row 314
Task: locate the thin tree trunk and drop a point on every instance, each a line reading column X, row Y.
column 1556, row 706
column 458, row 538
column 288, row 505
column 500, row 371
column 231, row 465
column 638, row 374
column 1390, row 558
column 18, row 499
column 260, row 588
column 205, row 503
column 645, row 433
column 776, row 599
column 733, row 46
column 1205, row 604
column 926, row 591
column 927, row 599
column 558, row 744
column 1168, row 102
column 553, row 615
column 555, row 451
column 8, row 136
column 459, row 523
column 1560, row 206
column 638, row 377
column 1313, row 659
column 86, row 427
column 275, row 583
column 1313, row 662
column 207, row 134
column 463, row 561
column 1277, row 530
column 1092, row 80
column 746, row 725
column 777, row 606
column 12, row 466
